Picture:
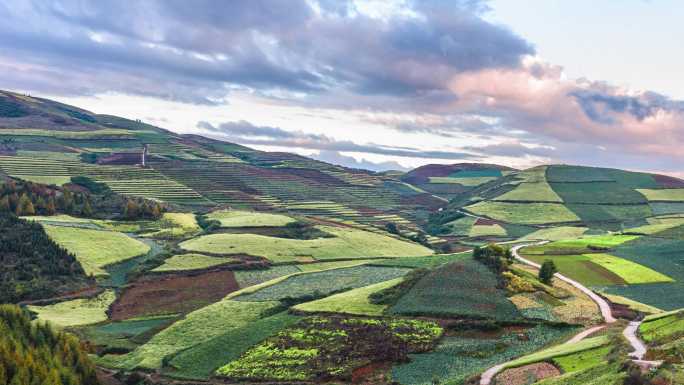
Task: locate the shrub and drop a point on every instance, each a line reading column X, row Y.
column 547, row 271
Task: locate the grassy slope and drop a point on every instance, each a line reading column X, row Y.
column 346, row 243
column 76, row 312
column 96, row 249
column 191, row 261
column 234, row 218
column 354, row 301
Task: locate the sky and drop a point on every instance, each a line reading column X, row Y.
column 377, row 84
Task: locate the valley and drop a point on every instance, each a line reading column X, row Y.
column 214, row 263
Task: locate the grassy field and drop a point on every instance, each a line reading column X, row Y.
column 582, row 360
column 465, row 181
column 246, row 278
column 559, row 351
column 192, row 262
column 464, row 288
column 427, row 262
column 531, row 192
column 354, row 301
column 581, row 268
column 556, row 233
column 661, row 328
column 197, row 327
column 487, row 230
column 524, row 213
column 675, row 195
column 324, row 282
column 202, row 360
column 96, row 249
column 632, row 273
column 346, row 243
column 320, row 266
column 235, row 218
column 76, row 312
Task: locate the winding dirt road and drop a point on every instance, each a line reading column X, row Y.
column 604, row 307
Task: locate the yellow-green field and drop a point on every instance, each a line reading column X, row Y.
column 346, row 243
column 670, row 194
column 191, row 262
column 354, row 301
column 76, row 312
column 524, row 213
column 235, row 218
column 96, row 249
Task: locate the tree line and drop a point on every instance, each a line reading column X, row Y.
column 33, row 353
column 83, row 197
column 33, row 265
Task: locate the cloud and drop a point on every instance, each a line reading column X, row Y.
column 243, row 132
column 180, row 50
column 335, row 157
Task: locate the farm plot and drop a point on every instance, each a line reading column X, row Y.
column 556, row 233
column 184, row 262
column 331, row 348
column 597, row 193
column 345, row 243
column 235, row 218
column 461, row 226
column 464, row 288
column 324, row 283
column 427, row 262
column 122, row 336
column 202, row 361
column 582, row 245
column 614, row 213
column 246, row 278
column 172, row 294
column 660, row 328
column 196, row 328
column 76, row 312
column 662, row 208
column 464, row 181
column 524, row 213
column 579, row 174
column 531, row 192
column 355, row 301
column 661, row 255
column 666, row 195
column 96, row 249
column 458, row 358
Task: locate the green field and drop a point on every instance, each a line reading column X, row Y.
column 76, row 312
column 354, row 301
column 202, row 360
column 531, row 192
column 524, row 213
column 495, row 230
column 556, row 233
column 582, row 360
column 559, row 351
column 346, row 243
column 465, row 288
column 192, row 262
column 235, row 218
column 324, row 282
column 463, row 180
column 674, row 195
column 96, row 249
column 197, row 327
column 632, row 273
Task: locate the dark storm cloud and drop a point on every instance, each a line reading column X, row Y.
column 205, row 48
column 243, row 132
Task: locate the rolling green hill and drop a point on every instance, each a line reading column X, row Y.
column 555, row 195
column 49, row 142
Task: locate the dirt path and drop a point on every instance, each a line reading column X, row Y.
column 602, row 304
column 604, row 307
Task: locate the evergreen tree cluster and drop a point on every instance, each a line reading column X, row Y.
column 35, row 354
column 33, row 265
column 89, row 199
column 497, row 258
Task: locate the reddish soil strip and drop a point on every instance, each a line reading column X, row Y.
column 485, row 222
column 523, row 374
column 172, row 293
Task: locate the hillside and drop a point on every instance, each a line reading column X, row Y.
column 561, row 195
column 451, row 180
column 49, row 142
column 216, row 263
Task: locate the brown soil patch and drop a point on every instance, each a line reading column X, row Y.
column 374, row 373
column 485, row 222
column 172, row 294
column 523, row 374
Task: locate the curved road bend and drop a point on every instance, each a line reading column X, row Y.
column 604, row 307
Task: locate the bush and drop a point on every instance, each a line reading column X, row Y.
column 548, row 269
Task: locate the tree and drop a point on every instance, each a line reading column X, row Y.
column 5, row 204
column 131, row 209
column 548, row 269
column 50, row 208
column 391, row 227
column 25, row 206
